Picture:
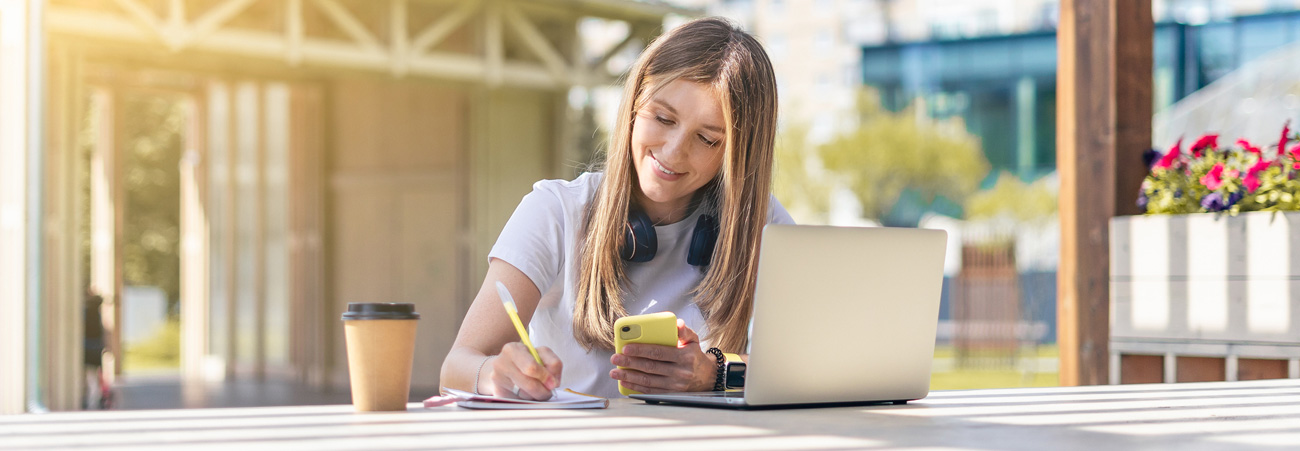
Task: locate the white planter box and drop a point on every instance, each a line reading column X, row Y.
column 1206, row 285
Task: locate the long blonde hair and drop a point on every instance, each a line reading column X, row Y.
column 715, row 53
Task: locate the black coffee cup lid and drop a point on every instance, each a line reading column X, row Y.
column 379, row 310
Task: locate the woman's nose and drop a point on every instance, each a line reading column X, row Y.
column 674, row 143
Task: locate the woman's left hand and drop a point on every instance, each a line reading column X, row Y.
column 651, row 368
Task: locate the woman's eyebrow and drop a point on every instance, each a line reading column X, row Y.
column 712, row 128
column 665, row 105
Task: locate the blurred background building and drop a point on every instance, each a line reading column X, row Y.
column 263, row 163
column 990, row 68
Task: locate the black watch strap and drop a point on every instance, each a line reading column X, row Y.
column 734, row 376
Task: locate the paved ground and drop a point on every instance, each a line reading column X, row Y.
column 165, row 391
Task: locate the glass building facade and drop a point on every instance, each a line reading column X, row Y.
column 1004, row 87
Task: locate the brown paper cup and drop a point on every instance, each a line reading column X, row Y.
column 380, row 353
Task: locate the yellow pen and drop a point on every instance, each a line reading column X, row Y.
column 509, row 302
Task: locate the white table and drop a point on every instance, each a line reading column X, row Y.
column 1217, row 415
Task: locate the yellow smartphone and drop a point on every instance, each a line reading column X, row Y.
column 654, row 328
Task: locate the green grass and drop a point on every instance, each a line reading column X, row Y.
column 969, row 379
column 1004, row 376
column 162, row 351
column 1037, row 351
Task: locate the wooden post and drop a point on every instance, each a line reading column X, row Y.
column 1103, row 124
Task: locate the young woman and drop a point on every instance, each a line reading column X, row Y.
column 686, row 184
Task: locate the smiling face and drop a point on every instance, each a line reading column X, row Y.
column 677, row 147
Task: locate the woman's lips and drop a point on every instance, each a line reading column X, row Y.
column 663, row 171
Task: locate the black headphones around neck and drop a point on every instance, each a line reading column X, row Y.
column 640, row 242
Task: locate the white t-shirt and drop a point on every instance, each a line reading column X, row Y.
column 541, row 240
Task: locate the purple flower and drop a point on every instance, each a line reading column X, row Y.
column 1150, row 157
column 1213, row 202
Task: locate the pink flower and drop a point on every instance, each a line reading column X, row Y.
column 1252, row 175
column 1168, row 159
column 1213, row 179
column 1246, row 145
column 1251, row 181
column 1281, row 143
column 1207, row 141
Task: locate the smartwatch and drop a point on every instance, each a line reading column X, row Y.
column 733, row 370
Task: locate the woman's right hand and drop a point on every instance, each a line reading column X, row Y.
column 516, row 374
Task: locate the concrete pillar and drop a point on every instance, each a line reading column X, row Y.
column 21, row 66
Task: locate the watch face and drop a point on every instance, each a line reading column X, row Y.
column 735, row 374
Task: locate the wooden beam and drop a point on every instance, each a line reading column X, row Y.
column 599, row 64
column 321, row 53
column 1134, row 104
column 437, row 31
column 538, row 44
column 494, row 52
column 398, row 38
column 1103, row 125
column 144, row 17
column 349, row 25
column 293, row 32
column 214, row 19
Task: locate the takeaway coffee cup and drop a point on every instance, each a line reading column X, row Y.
column 381, row 346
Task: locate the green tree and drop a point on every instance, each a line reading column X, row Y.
column 151, row 174
column 1013, row 198
column 796, row 182
column 891, row 152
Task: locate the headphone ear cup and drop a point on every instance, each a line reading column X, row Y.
column 639, row 239
column 703, row 240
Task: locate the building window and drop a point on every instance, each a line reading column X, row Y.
column 824, row 42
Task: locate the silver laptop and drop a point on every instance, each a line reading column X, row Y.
column 842, row 316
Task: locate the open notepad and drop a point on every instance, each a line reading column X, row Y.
column 561, row 399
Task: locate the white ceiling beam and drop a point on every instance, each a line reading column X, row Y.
column 537, row 43
column 349, row 24
column 214, row 19
column 293, row 32
column 315, row 52
column 398, row 38
column 147, row 20
column 495, row 51
column 604, row 59
column 436, row 32
column 176, row 14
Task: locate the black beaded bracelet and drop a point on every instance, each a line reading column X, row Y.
column 719, row 383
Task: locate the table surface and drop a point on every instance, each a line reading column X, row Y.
column 1214, row 415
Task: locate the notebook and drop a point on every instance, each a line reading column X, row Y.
column 562, row 399
column 842, row 316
